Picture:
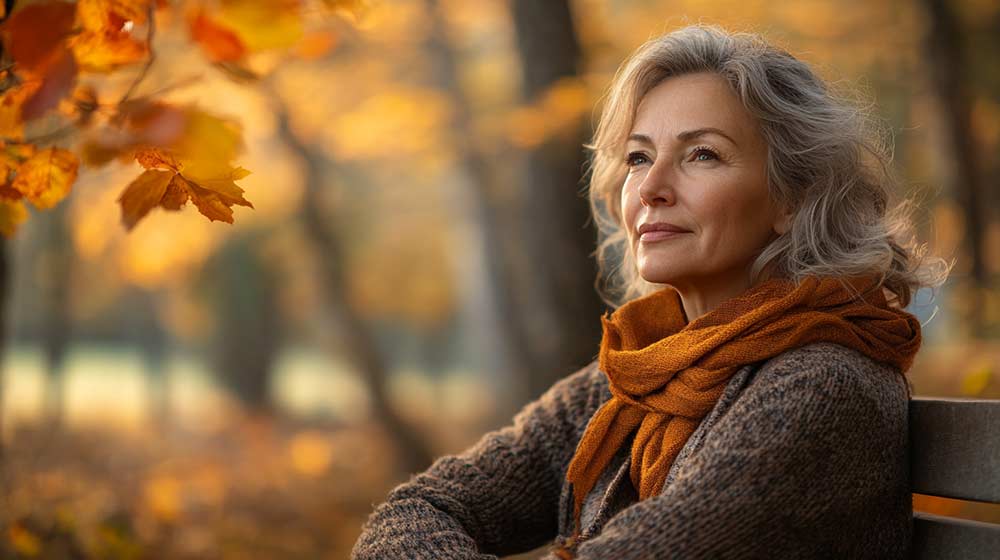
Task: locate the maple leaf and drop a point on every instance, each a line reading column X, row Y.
column 46, row 177
column 35, row 33
column 214, row 202
column 166, row 183
column 157, row 158
column 143, row 194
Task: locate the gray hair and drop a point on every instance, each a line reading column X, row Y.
column 828, row 162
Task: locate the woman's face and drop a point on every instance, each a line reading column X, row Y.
column 710, row 183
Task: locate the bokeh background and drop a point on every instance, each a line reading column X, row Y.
column 417, row 266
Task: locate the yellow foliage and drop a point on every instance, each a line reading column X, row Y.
column 101, row 52
column 263, row 24
column 395, row 122
column 11, row 123
column 97, row 14
column 557, row 111
column 47, row 176
column 12, row 215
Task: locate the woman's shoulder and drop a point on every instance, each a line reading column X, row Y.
column 835, row 370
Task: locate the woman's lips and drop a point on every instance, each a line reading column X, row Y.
column 660, row 235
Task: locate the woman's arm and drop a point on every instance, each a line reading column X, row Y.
column 808, row 463
column 499, row 497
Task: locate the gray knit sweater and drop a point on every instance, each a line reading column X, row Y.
column 803, row 456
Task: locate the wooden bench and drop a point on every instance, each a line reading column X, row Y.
column 955, row 453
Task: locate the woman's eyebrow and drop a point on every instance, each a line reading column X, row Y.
column 685, row 136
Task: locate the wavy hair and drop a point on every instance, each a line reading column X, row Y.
column 828, row 162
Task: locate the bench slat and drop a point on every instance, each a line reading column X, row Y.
column 946, row 538
column 955, row 448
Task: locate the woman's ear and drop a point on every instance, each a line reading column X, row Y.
column 783, row 223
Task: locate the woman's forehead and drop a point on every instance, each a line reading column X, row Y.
column 681, row 105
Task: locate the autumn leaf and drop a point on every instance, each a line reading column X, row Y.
column 157, row 158
column 138, row 123
column 208, row 140
column 263, row 24
column 47, row 176
column 105, row 42
column 143, row 194
column 207, row 202
column 111, row 15
column 218, row 42
column 12, row 210
column 11, row 123
column 103, row 52
column 166, row 183
column 35, row 33
column 11, row 157
column 56, row 83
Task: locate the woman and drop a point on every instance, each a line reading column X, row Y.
column 748, row 400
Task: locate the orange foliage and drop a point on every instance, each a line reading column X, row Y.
column 48, row 44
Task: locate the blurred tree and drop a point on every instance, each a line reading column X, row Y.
column 54, row 263
column 357, row 342
column 560, row 273
column 510, row 333
column 148, row 334
column 242, row 288
column 949, row 78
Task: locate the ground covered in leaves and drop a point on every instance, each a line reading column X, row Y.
column 256, row 488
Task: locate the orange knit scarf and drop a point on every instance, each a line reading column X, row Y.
column 665, row 375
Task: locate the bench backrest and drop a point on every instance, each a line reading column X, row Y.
column 955, row 453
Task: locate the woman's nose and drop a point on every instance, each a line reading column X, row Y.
column 657, row 186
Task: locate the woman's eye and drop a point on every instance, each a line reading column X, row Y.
column 635, row 158
column 699, row 152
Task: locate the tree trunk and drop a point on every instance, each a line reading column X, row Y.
column 357, row 342
column 242, row 289
column 56, row 256
column 486, row 220
column 559, row 242
column 943, row 46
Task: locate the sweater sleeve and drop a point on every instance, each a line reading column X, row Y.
column 499, row 497
column 804, row 465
